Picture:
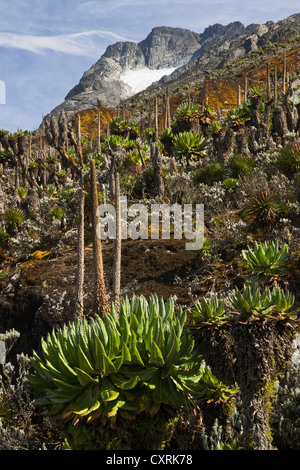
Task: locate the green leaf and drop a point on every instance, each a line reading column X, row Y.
column 108, row 366
column 124, row 383
column 67, row 386
column 84, row 378
column 84, row 402
column 156, row 356
column 84, row 363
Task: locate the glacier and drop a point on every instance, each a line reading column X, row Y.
column 140, row 79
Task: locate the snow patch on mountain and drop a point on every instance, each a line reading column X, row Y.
column 139, row 80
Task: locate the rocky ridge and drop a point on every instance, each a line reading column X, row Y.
column 164, row 48
column 190, row 53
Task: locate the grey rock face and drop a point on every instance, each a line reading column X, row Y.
column 169, row 47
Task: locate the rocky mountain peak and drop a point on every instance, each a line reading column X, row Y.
column 171, row 54
column 169, row 47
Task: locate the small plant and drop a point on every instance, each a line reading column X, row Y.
column 113, row 142
column 57, row 212
column 265, row 206
column 13, row 218
column 66, row 194
column 187, row 111
column 166, row 138
column 4, row 238
column 51, row 190
column 230, row 183
column 289, row 159
column 216, row 127
column 237, row 117
column 256, row 92
column 239, row 165
column 252, row 303
column 233, row 445
column 210, row 174
column 22, row 192
column 5, row 156
column 189, row 145
column 266, row 259
column 209, row 312
column 122, row 127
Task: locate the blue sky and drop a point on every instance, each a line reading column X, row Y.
column 46, row 45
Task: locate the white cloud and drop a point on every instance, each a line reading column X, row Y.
column 83, row 43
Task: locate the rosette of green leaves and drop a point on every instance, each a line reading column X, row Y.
column 266, row 259
column 238, row 116
column 187, row 111
column 126, row 364
column 289, row 159
column 209, row 312
column 13, row 218
column 189, row 145
column 253, row 303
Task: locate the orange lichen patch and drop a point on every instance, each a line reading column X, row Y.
column 226, row 90
column 89, row 121
column 41, row 254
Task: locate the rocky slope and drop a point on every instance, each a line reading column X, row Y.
column 235, row 43
column 164, row 49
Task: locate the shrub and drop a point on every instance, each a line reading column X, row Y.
column 239, row 165
column 210, row 174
